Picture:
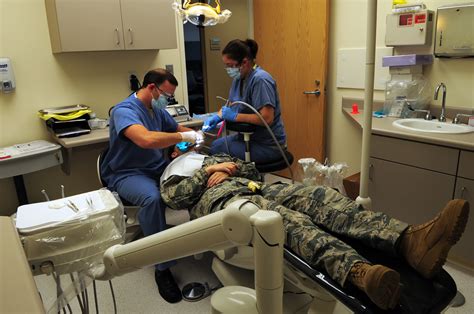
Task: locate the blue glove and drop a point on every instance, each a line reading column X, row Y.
column 229, row 114
column 211, row 123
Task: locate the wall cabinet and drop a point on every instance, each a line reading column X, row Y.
column 412, row 181
column 89, row 25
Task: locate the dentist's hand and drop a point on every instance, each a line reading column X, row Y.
column 189, row 136
column 211, row 123
column 229, row 113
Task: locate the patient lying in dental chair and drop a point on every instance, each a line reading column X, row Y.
column 313, row 216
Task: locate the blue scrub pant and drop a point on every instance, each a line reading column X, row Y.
column 143, row 191
column 259, row 153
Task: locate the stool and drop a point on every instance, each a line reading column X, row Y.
column 248, row 129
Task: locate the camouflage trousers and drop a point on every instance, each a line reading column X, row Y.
column 308, row 211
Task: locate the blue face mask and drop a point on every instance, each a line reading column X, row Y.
column 234, row 73
column 159, row 103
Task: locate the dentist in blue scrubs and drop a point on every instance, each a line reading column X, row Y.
column 140, row 128
column 255, row 86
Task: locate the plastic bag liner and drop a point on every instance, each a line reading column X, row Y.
column 75, row 243
column 315, row 173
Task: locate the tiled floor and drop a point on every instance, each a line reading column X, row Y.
column 137, row 293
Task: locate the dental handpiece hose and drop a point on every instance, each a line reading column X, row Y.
column 269, row 131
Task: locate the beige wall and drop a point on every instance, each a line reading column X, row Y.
column 348, row 30
column 43, row 79
column 218, row 82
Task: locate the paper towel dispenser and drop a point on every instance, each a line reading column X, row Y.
column 455, row 31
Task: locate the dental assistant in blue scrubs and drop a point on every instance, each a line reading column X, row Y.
column 140, row 129
column 255, row 86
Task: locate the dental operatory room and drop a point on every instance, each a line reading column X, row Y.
column 237, row 156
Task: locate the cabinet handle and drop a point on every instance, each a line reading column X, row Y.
column 130, row 31
column 463, row 189
column 371, row 168
column 117, row 36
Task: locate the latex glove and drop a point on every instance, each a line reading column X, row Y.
column 229, row 114
column 189, row 136
column 211, row 123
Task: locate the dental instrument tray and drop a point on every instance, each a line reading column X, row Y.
column 70, row 234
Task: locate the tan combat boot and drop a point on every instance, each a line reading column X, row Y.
column 380, row 283
column 426, row 246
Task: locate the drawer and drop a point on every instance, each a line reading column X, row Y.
column 466, row 165
column 426, row 156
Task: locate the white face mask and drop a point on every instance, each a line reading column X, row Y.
column 234, row 73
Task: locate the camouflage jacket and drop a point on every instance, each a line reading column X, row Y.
column 192, row 193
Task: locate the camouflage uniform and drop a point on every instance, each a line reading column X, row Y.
column 306, row 210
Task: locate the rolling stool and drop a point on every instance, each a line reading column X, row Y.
column 248, row 129
column 133, row 229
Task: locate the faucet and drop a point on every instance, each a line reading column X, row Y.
column 442, row 116
column 457, row 118
column 415, row 111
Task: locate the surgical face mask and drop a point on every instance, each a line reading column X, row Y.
column 234, row 73
column 159, row 103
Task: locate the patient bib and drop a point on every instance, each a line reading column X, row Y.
column 185, row 165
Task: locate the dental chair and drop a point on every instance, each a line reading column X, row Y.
column 418, row 295
column 173, row 217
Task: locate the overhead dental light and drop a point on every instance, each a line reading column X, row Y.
column 201, row 13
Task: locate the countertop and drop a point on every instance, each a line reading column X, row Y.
column 383, row 126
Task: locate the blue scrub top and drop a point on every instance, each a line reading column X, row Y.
column 124, row 157
column 260, row 90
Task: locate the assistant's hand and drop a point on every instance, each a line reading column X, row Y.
column 229, row 114
column 189, row 136
column 211, row 123
column 216, row 178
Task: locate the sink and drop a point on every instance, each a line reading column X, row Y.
column 433, row 126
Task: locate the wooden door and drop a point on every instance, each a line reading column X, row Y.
column 293, row 47
column 148, row 24
column 89, row 25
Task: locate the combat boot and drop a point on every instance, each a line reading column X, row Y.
column 380, row 283
column 426, row 246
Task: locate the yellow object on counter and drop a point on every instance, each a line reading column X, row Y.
column 65, row 116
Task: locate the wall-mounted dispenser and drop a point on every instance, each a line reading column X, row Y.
column 7, row 79
column 409, row 25
column 455, row 31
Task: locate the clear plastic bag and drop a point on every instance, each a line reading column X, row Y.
column 403, row 96
column 316, row 173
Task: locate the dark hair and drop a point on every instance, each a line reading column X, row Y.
column 158, row 77
column 239, row 49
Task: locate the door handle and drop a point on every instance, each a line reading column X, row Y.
column 316, row 92
column 130, row 32
column 371, row 169
column 117, row 36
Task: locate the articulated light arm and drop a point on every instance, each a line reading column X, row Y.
column 240, row 223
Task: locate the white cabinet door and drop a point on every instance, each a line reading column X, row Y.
column 408, row 193
column 89, row 25
column 148, row 24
